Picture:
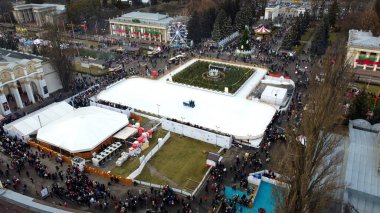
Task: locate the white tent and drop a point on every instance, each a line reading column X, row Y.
column 30, row 123
column 82, row 129
column 125, row 133
column 273, row 95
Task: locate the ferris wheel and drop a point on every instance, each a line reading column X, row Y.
column 177, row 35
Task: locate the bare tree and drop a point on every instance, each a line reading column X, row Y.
column 309, row 169
column 59, row 54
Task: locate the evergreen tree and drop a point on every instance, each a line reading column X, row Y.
column 206, row 22
column 360, row 106
column 333, row 12
column 321, row 38
column 228, row 29
column 244, row 43
column 231, row 7
column 243, row 18
column 193, row 28
column 293, row 37
column 219, row 26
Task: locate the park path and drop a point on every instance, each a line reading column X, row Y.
column 154, row 172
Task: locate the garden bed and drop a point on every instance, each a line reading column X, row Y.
column 194, row 75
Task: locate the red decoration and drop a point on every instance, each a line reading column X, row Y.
column 122, row 31
column 135, row 33
column 278, row 76
column 154, row 73
column 367, row 62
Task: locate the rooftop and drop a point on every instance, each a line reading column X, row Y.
column 58, row 7
column 362, row 178
column 363, row 39
column 9, row 59
column 82, row 129
column 145, row 18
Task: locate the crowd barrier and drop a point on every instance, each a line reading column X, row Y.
column 88, row 169
column 107, row 175
column 49, row 151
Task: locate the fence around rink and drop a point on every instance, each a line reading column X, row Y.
column 88, row 169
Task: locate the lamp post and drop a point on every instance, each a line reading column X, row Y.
column 158, row 110
column 216, row 135
column 182, row 118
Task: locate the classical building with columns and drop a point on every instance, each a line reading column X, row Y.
column 363, row 50
column 140, row 25
column 24, row 79
column 39, row 13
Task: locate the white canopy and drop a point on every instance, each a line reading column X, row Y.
column 30, row 123
column 82, row 129
column 273, row 95
column 125, row 133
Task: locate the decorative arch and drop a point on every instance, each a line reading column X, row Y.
column 30, row 67
column 19, row 71
column 7, row 75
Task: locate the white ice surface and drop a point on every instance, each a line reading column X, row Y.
column 233, row 115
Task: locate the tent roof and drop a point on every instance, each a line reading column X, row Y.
column 125, row 133
column 262, row 30
column 30, row 123
column 271, row 92
column 82, row 129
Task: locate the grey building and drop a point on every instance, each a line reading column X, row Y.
column 38, row 13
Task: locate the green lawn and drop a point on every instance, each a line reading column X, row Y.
column 308, row 34
column 333, row 37
column 369, row 88
column 182, row 160
column 298, row 49
column 196, row 75
column 92, row 70
column 133, row 163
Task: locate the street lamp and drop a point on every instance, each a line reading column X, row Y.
column 158, row 109
column 183, row 118
column 216, row 135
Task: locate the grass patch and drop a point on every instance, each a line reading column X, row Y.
column 308, row 34
column 333, row 37
column 96, row 54
column 182, row 160
column 133, row 163
column 196, row 75
column 371, row 88
column 92, row 70
column 298, row 49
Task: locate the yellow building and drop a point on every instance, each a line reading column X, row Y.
column 140, row 25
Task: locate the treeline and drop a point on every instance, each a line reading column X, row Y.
column 8, row 42
column 299, row 27
column 221, row 21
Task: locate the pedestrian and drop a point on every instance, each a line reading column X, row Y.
column 31, row 179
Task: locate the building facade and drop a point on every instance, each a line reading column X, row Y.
column 39, row 14
column 143, row 26
column 24, row 80
column 363, row 50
